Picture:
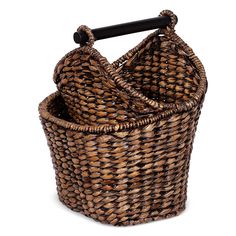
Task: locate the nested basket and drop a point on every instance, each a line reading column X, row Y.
column 121, row 134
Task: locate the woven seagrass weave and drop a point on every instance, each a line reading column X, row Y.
column 121, row 134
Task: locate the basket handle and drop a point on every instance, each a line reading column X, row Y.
column 164, row 20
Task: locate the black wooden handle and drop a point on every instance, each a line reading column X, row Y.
column 123, row 29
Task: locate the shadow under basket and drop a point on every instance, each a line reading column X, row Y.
column 130, row 166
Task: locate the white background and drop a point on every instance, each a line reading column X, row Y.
column 34, row 35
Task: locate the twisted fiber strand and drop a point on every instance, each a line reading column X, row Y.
column 88, row 31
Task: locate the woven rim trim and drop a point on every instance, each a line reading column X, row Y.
column 89, row 33
column 45, row 114
column 173, row 17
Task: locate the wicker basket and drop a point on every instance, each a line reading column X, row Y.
column 121, row 134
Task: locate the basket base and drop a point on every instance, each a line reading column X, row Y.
column 129, row 222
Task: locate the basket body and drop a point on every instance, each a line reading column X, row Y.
column 125, row 177
column 121, row 134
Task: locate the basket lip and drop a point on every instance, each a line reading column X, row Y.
column 45, row 114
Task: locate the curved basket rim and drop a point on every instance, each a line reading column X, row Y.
column 45, row 114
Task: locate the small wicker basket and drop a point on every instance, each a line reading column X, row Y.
column 121, row 134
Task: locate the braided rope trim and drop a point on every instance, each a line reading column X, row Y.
column 89, row 33
column 48, row 101
column 173, row 18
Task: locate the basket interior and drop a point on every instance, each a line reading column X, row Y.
column 57, row 108
column 162, row 71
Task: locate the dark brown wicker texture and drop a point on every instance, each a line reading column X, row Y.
column 121, row 134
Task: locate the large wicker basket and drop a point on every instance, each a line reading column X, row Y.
column 121, row 145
